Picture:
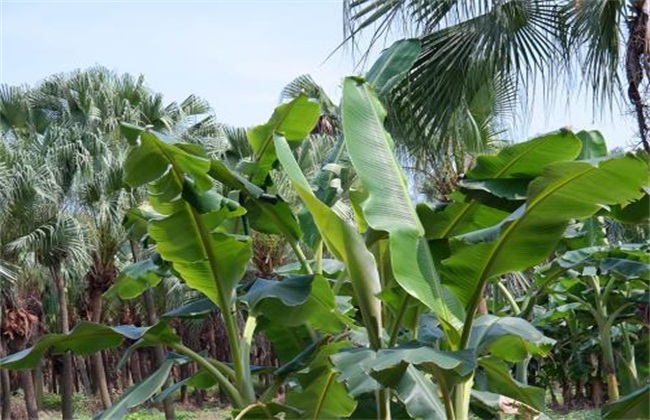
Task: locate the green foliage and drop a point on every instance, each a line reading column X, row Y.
column 392, row 65
column 138, row 393
column 388, row 204
column 391, row 318
column 633, row 406
column 88, row 338
column 294, row 120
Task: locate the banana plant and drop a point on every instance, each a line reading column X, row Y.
column 605, row 282
column 508, row 216
column 391, row 325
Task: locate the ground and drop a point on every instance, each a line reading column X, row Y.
column 85, row 408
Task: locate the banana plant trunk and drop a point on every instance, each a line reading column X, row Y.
column 66, row 376
column 97, row 362
column 610, row 365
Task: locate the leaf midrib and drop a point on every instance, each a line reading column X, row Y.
column 471, row 205
column 405, row 196
column 529, row 210
column 323, row 395
column 199, row 226
column 269, row 139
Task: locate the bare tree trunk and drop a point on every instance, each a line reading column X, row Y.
column 38, row 384
column 159, row 351
column 54, row 383
column 97, row 362
column 66, row 377
column 82, row 375
column 636, row 61
column 597, row 391
column 136, row 370
column 27, row 383
column 5, row 388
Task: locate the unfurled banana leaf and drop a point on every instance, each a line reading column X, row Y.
column 295, row 301
column 322, row 396
column 134, row 279
column 87, row 338
column 138, row 393
column 363, row 369
column 266, row 213
column 186, row 234
column 345, row 243
column 565, row 191
column 593, row 145
column 527, row 159
column 461, row 215
column 388, row 206
column 293, row 120
column 392, row 65
column 197, row 309
column 505, row 176
column 627, row 260
column 509, row 338
column 497, row 379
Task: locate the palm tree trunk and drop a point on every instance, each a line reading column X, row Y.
column 27, row 383
column 38, row 384
column 97, row 362
column 66, row 376
column 636, row 61
column 82, row 375
column 159, row 351
column 5, row 387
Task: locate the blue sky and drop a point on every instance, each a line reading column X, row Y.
column 236, row 54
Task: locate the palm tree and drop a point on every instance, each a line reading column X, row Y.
column 26, row 191
column 42, row 229
column 486, row 55
column 65, row 132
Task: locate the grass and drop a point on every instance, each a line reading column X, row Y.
column 86, row 408
column 576, row 415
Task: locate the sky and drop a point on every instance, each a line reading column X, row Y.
column 236, row 54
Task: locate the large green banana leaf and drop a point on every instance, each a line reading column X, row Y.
column 462, row 215
column 267, row 213
column 496, row 377
column 87, row 338
column 343, row 241
column 187, row 235
column 294, row 120
column 392, row 65
column 363, row 370
column 627, row 260
column 134, row 279
column 295, row 301
column 322, row 396
column 527, row 159
column 565, row 191
column 389, row 207
column 501, row 175
column 138, row 393
column 509, row 338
